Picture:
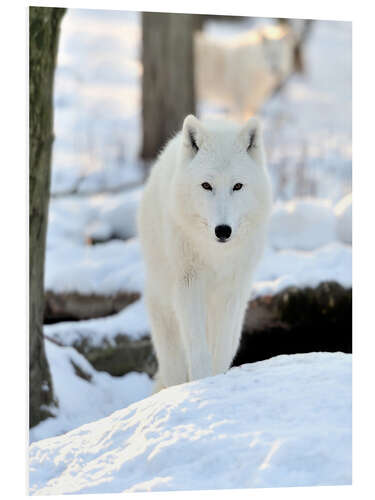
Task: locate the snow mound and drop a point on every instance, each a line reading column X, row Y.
column 310, row 223
column 303, row 224
column 289, row 267
column 75, row 220
column 106, row 269
column 117, row 215
column 82, row 400
column 131, row 321
column 281, row 422
column 343, row 212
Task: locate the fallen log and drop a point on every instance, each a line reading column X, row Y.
column 296, row 320
column 76, row 306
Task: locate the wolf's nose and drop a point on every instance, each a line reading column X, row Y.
column 223, row 232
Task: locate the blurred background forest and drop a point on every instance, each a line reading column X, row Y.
column 123, row 83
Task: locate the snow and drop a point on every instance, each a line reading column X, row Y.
column 98, row 107
column 309, row 223
column 308, row 124
column 118, row 266
column 279, row 270
column 97, row 101
column 304, row 224
column 343, row 212
column 79, row 219
column 81, row 401
column 131, row 321
column 99, row 269
column 281, row 422
column 116, row 216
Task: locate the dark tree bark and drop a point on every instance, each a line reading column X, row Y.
column 44, row 25
column 168, row 77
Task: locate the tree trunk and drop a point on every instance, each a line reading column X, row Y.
column 44, row 26
column 304, row 31
column 168, row 77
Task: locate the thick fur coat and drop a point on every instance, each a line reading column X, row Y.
column 202, row 225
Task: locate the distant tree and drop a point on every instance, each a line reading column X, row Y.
column 302, row 35
column 44, row 25
column 168, row 76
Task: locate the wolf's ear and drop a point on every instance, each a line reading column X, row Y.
column 251, row 136
column 192, row 134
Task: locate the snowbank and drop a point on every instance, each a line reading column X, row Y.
column 83, row 400
column 102, row 269
column 131, row 321
column 117, row 216
column 78, row 219
column 302, row 223
column 117, row 266
column 281, row 422
column 279, row 270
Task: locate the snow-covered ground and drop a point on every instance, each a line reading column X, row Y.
column 103, row 216
column 101, row 269
column 97, row 101
column 285, row 268
column 85, row 400
column 281, row 422
column 131, row 321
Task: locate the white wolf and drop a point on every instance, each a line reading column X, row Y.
column 202, row 224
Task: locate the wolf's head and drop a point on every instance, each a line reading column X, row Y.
column 221, row 187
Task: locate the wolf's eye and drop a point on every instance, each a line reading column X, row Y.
column 207, row 186
column 237, row 186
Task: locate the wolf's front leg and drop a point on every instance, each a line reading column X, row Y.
column 167, row 344
column 191, row 313
column 224, row 329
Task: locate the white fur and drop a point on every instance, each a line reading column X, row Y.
column 197, row 288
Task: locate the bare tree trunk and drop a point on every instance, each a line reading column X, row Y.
column 44, row 24
column 168, row 77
